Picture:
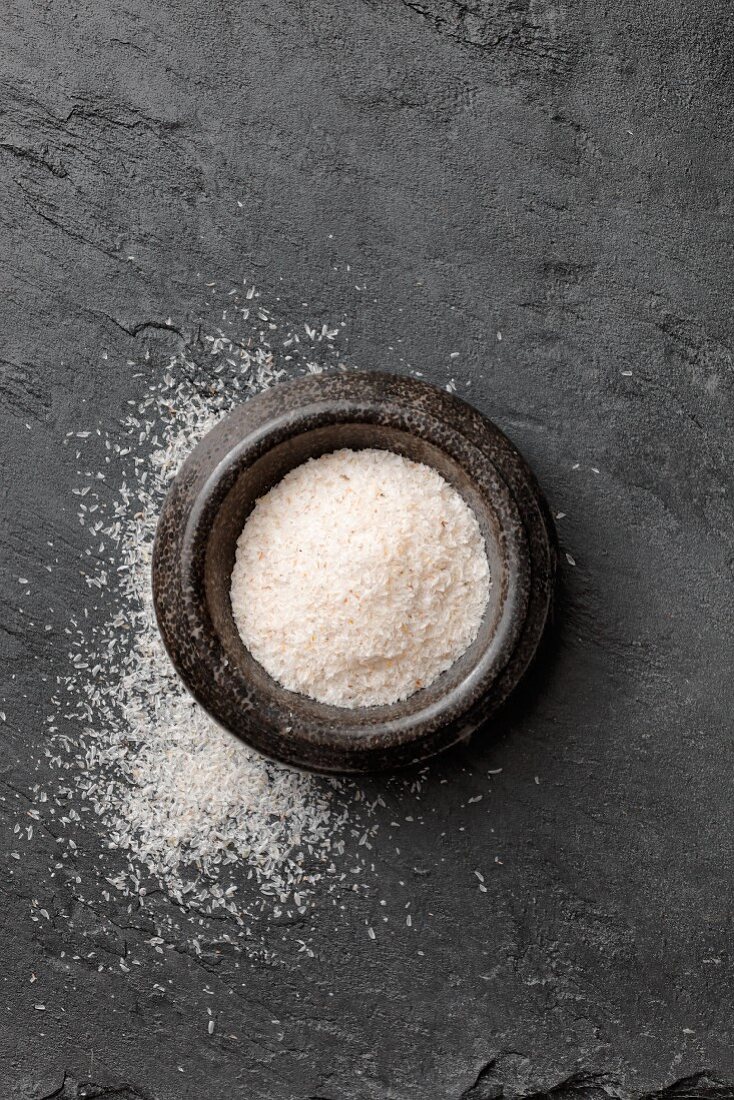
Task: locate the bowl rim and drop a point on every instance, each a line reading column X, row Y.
column 288, row 726
column 397, row 720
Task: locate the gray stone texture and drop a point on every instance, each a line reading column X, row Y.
column 556, row 173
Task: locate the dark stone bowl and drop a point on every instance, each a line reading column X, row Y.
column 251, row 450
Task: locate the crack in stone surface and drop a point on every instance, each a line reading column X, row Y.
column 705, row 1085
column 534, row 31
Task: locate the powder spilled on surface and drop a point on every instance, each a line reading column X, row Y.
column 184, row 806
column 360, row 578
column 168, row 838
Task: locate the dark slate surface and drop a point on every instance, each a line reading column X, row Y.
column 559, row 174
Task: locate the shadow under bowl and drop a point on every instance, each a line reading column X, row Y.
column 244, row 456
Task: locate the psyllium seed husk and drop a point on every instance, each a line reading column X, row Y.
column 360, row 578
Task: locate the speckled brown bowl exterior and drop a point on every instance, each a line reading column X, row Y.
column 249, row 452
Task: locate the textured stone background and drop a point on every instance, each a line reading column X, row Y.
column 557, row 173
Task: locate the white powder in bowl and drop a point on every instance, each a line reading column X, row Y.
column 359, row 578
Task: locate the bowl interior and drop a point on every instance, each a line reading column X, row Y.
column 255, row 479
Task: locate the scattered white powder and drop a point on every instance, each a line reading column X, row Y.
column 180, row 800
column 360, row 578
column 166, row 829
